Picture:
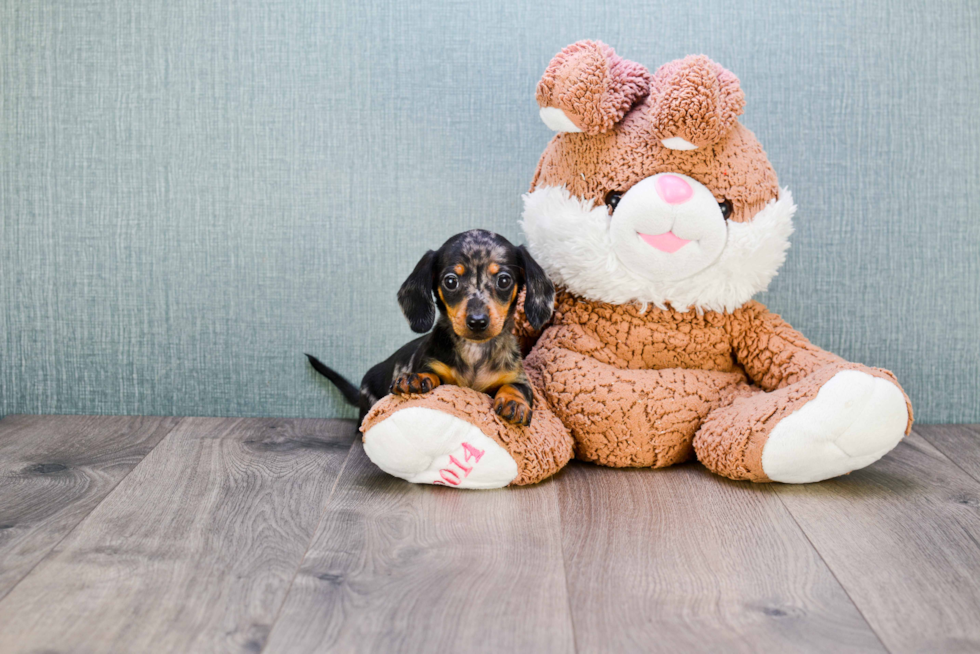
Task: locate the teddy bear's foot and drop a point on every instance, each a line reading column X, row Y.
column 837, row 419
column 452, row 437
column 854, row 420
column 426, row 446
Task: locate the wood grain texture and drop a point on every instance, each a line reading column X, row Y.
column 679, row 560
column 903, row 538
column 54, row 470
column 960, row 443
column 397, row 567
column 211, row 543
column 193, row 552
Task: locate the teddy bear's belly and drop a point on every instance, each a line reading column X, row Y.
column 627, row 416
column 648, row 345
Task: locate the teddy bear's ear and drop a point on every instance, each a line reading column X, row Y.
column 588, row 88
column 694, row 102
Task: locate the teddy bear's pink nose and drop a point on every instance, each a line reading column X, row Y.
column 673, row 189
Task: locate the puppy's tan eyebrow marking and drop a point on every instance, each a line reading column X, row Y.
column 493, row 268
column 459, row 269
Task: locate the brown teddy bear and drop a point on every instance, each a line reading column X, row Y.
column 658, row 216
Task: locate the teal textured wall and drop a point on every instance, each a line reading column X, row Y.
column 193, row 194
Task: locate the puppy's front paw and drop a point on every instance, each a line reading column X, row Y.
column 509, row 404
column 415, row 383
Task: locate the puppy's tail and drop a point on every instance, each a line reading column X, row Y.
column 351, row 393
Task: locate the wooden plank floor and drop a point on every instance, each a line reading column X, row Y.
column 54, row 470
column 254, row 535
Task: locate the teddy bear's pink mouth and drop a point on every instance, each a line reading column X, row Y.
column 667, row 242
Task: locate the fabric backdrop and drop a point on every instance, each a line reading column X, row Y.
column 193, row 194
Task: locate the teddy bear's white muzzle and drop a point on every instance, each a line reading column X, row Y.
column 667, row 227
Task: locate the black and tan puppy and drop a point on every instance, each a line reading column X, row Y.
column 474, row 280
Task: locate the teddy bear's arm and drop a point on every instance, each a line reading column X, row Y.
column 772, row 353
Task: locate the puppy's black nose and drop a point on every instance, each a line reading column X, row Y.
column 477, row 322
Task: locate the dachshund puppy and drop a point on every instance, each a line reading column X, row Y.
column 474, row 280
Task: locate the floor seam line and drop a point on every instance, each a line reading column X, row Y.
column 309, row 545
column 90, row 512
column 564, row 565
column 831, row 571
column 946, row 456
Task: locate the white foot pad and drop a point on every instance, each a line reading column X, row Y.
column 425, row 446
column 854, row 420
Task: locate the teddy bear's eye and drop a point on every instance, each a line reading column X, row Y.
column 612, row 199
column 726, row 209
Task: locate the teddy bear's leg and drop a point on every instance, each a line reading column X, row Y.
column 630, row 418
column 452, row 437
column 838, row 419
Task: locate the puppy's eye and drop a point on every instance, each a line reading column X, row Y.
column 612, row 199
column 450, row 282
column 504, row 281
column 726, row 209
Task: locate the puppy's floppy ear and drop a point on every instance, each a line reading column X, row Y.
column 539, row 301
column 415, row 295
